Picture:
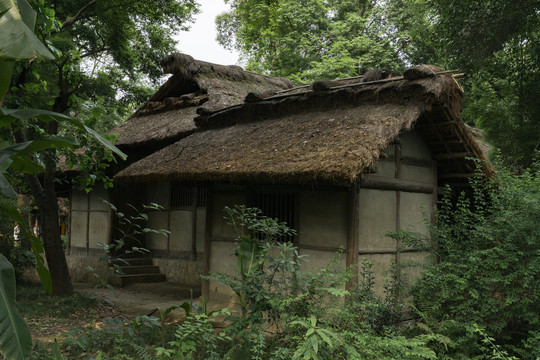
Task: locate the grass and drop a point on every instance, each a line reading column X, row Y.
column 82, row 327
column 33, row 302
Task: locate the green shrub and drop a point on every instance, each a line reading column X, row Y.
column 488, row 271
column 288, row 314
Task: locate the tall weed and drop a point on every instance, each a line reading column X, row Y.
column 488, row 270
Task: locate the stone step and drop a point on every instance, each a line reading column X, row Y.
column 140, row 278
column 133, row 262
column 141, row 269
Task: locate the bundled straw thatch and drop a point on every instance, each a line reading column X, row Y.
column 330, row 135
column 194, row 86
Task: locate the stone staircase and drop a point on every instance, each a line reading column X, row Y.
column 138, row 270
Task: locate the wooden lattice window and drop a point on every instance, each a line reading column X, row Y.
column 187, row 196
column 280, row 206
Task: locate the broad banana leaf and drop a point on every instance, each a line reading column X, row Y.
column 6, row 69
column 37, row 247
column 17, row 38
column 15, row 340
column 45, row 115
column 249, row 252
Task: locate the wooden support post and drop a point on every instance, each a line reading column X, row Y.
column 208, row 240
column 87, row 222
column 352, row 238
column 397, row 176
column 193, row 255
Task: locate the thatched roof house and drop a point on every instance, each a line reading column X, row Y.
column 195, row 86
column 330, row 136
column 343, row 162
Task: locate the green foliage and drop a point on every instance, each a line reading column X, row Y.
column 35, row 243
column 309, row 41
column 107, row 56
column 15, row 340
column 314, row 338
column 117, row 339
column 34, row 302
column 196, row 339
column 130, row 228
column 495, row 42
column 488, row 269
column 288, row 314
column 18, row 20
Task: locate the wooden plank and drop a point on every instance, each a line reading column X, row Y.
column 380, row 183
column 406, row 160
column 450, row 156
column 460, row 175
column 331, row 249
column 387, row 251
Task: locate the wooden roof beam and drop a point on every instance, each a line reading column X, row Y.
column 460, row 175
column 451, row 156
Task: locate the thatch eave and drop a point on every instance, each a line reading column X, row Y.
column 313, row 137
column 195, row 86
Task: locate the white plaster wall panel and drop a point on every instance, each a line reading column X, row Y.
column 99, row 229
column 78, row 228
column 97, row 195
column 415, row 210
column 377, row 212
column 323, row 218
column 201, row 227
column 78, row 271
column 79, row 200
column 316, row 260
column 181, row 225
column 159, row 193
column 381, row 264
column 386, row 168
column 222, row 260
column 413, row 146
column 220, row 228
column 157, row 220
column 417, row 173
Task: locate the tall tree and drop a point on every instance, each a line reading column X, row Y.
column 498, row 43
column 101, row 48
column 310, row 39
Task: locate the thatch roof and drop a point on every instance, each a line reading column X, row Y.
column 328, row 135
column 194, row 86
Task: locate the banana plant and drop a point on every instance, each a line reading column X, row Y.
column 17, row 42
column 15, row 340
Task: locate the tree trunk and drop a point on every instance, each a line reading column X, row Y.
column 52, row 242
column 47, row 202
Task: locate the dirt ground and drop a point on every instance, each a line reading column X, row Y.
column 128, row 302
column 142, row 299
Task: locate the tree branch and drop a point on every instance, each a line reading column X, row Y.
column 75, row 17
column 94, row 52
column 31, row 179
